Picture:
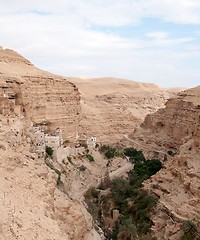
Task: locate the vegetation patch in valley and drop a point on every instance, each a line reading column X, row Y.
column 134, row 154
column 123, row 209
column 111, row 152
column 190, row 231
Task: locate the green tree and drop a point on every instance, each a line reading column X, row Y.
column 82, row 168
column 149, row 167
column 134, row 154
column 127, row 230
column 108, row 151
column 90, row 157
column 189, row 229
column 120, row 190
column 49, row 151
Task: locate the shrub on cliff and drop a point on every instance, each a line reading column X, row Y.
column 108, row 151
column 190, row 230
column 149, row 167
column 69, row 158
column 82, row 168
column 59, row 181
column 49, row 151
column 92, row 192
column 134, row 154
column 127, row 230
column 90, row 157
column 144, row 170
column 120, row 189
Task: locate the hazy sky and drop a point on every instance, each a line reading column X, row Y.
column 144, row 40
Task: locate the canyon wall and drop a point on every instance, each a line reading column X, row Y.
column 30, row 199
column 42, row 98
column 180, row 119
column 112, row 107
column 31, row 204
column 175, row 130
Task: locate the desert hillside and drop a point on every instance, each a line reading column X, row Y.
column 42, row 192
column 47, row 167
column 43, row 98
column 33, row 105
column 113, row 107
column 172, row 134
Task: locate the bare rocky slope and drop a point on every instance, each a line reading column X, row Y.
column 113, row 107
column 32, row 206
column 174, row 132
column 42, row 98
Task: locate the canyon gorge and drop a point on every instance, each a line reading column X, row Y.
column 43, row 197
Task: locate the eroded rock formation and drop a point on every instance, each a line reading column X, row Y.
column 175, row 130
column 32, row 207
column 42, row 98
column 112, row 107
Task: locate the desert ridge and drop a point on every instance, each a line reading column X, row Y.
column 112, row 107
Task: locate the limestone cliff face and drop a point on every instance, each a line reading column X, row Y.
column 112, row 107
column 31, row 205
column 179, row 119
column 41, row 97
column 175, row 128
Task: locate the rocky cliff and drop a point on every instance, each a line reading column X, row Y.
column 112, row 107
column 31, row 204
column 179, row 120
column 175, row 131
column 33, row 207
column 42, row 98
